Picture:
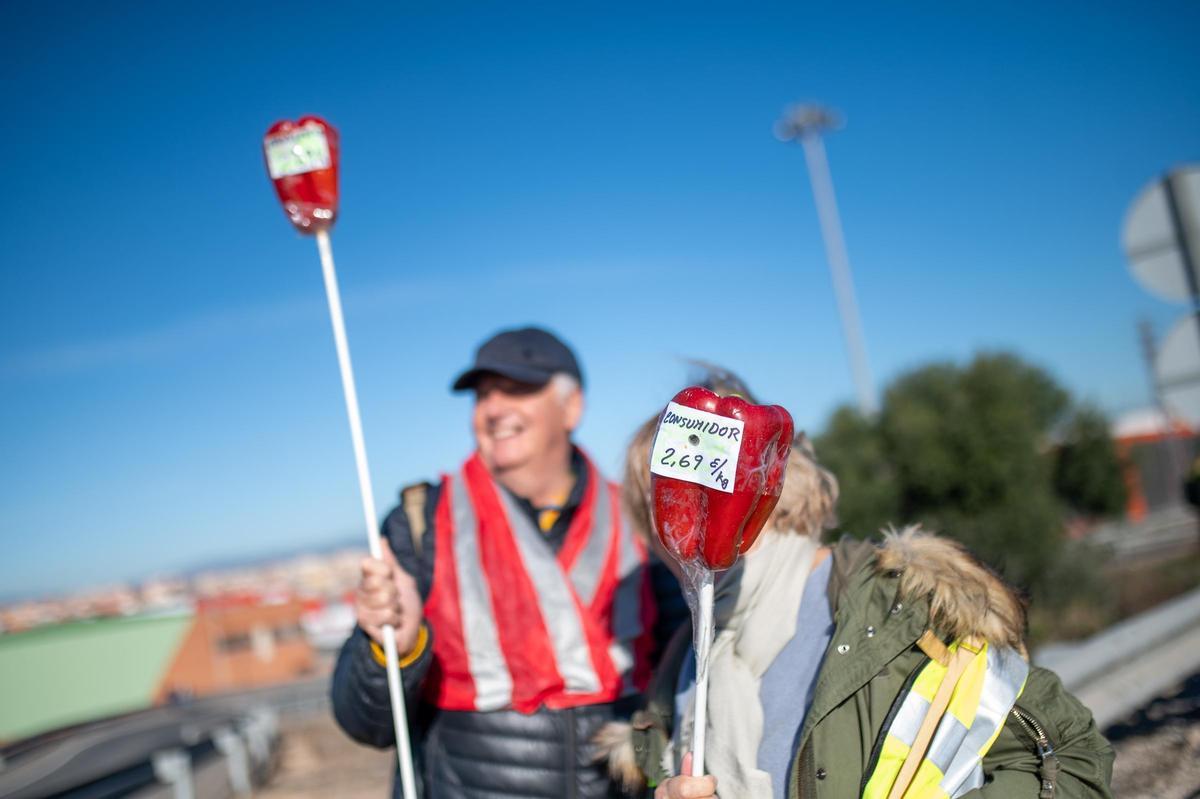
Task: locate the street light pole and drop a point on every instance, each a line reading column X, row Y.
column 805, row 123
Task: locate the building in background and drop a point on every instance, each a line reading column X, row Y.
column 235, row 643
column 64, row 674
column 1158, row 454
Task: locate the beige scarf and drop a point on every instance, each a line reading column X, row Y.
column 755, row 608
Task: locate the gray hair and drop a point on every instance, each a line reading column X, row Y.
column 564, row 385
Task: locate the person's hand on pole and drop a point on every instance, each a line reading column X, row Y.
column 685, row 787
column 387, row 594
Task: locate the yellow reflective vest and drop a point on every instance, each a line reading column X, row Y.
column 951, row 715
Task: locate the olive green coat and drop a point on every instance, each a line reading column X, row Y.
column 883, row 599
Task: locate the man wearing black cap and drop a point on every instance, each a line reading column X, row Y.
column 522, row 603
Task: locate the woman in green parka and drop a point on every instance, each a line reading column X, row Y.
column 881, row 670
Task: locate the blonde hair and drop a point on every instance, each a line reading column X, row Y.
column 806, row 503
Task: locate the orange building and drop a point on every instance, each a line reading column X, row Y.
column 235, row 643
column 1157, row 453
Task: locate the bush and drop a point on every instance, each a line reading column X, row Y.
column 971, row 452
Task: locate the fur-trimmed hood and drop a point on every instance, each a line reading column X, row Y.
column 965, row 597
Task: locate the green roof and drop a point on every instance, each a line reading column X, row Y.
column 63, row 674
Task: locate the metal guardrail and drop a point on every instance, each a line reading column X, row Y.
column 291, row 700
column 225, row 746
column 1164, row 530
column 1121, row 669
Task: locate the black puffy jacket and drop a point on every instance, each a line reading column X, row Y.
column 466, row 755
column 547, row 754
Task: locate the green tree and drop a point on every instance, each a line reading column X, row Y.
column 967, row 451
column 1087, row 470
column 853, row 449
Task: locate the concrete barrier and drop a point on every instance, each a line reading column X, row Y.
column 1117, row 671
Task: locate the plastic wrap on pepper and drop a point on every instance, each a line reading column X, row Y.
column 717, row 468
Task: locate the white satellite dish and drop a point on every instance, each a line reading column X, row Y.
column 1161, row 235
column 1177, row 370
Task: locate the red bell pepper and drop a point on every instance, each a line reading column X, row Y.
column 302, row 160
column 704, row 525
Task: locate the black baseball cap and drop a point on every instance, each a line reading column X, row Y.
column 527, row 354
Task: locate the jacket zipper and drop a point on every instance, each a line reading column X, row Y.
column 1035, row 731
column 877, row 748
column 1047, row 772
column 572, row 782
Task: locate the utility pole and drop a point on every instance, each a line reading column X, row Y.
column 805, row 123
column 1175, row 459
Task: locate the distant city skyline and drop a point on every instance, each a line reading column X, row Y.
column 168, row 386
column 219, row 563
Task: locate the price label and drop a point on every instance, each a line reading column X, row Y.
column 697, row 446
column 297, row 152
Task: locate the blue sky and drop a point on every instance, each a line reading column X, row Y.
column 168, row 385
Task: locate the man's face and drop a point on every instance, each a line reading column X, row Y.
column 517, row 424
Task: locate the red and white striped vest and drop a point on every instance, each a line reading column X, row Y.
column 517, row 625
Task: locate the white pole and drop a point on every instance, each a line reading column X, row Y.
column 703, row 643
column 839, row 266
column 399, row 715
